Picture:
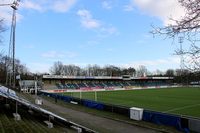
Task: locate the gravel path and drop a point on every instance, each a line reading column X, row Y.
column 97, row 123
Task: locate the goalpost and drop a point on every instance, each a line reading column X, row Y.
column 95, row 95
column 82, row 95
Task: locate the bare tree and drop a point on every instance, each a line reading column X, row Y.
column 158, row 73
column 95, row 70
column 20, row 68
column 90, row 70
column 106, row 70
column 187, row 27
column 170, row 73
column 71, row 70
column 141, row 71
column 128, row 71
column 111, row 70
column 57, row 68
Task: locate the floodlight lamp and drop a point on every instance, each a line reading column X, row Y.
column 14, row 5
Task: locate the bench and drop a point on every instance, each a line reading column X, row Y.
column 49, row 124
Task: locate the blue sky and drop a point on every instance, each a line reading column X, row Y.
column 99, row 32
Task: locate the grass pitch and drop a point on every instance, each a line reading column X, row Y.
column 182, row 101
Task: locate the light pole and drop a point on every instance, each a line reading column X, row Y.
column 181, row 58
column 10, row 75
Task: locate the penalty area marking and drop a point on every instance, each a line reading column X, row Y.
column 181, row 108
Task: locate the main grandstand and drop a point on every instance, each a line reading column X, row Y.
column 81, row 82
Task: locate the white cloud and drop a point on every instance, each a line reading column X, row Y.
column 109, row 30
column 87, row 19
column 130, row 6
column 106, row 5
column 6, row 2
column 163, row 9
column 166, row 63
column 30, row 5
column 52, row 54
column 58, row 55
column 38, row 67
column 45, row 5
column 36, row 5
column 6, row 15
column 63, row 5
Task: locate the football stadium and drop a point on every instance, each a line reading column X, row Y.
column 151, row 99
column 119, row 94
column 129, row 95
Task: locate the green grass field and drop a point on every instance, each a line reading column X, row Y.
column 182, row 101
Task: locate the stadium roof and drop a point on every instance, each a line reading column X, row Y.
column 97, row 77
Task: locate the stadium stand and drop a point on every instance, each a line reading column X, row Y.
column 69, row 82
column 8, row 96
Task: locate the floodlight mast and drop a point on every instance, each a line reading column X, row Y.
column 181, row 53
column 10, row 75
column 181, row 57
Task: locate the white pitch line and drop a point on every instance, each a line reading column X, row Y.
column 184, row 107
